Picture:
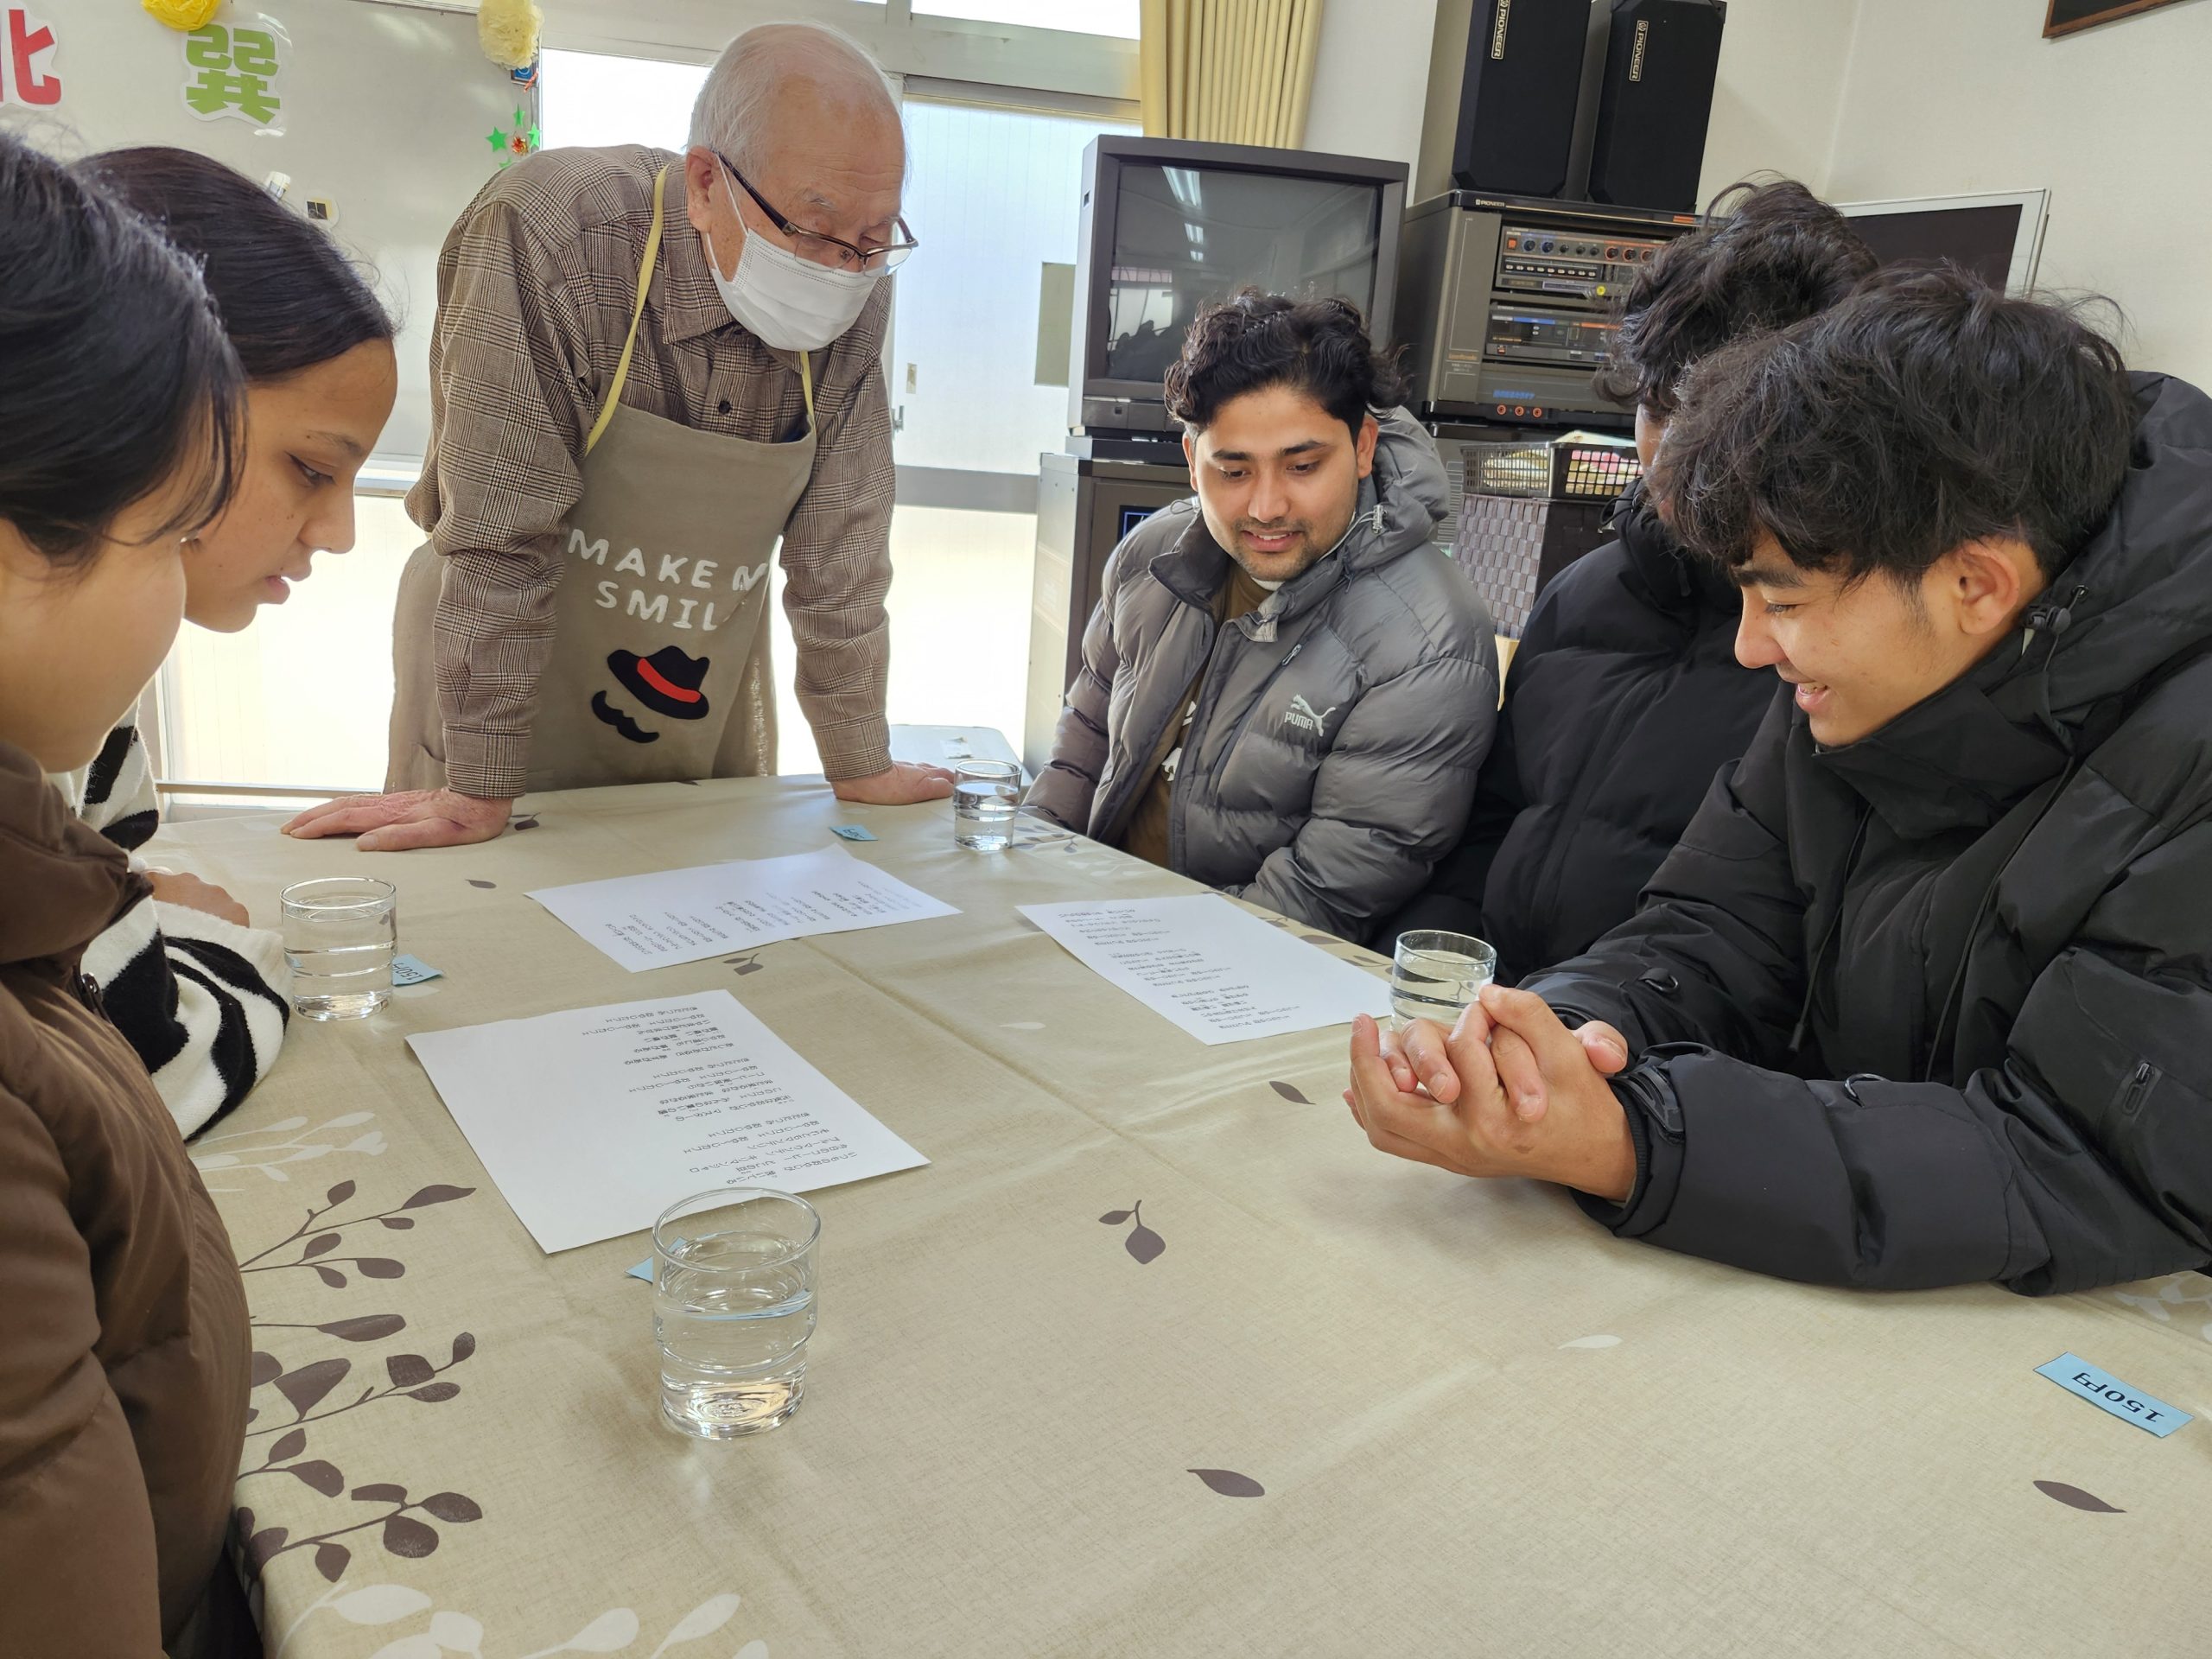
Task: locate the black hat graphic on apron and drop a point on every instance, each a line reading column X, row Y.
column 667, row 682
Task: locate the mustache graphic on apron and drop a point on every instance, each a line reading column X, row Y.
column 667, row 682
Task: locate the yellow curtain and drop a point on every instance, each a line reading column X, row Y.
column 1238, row 72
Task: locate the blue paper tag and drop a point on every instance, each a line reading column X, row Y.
column 644, row 1270
column 852, row 832
column 413, row 971
column 2100, row 1388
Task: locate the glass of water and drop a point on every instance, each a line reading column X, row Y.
column 985, row 794
column 1433, row 976
column 733, row 1308
column 340, row 937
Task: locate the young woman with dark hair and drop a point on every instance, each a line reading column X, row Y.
column 124, row 1340
column 202, row 995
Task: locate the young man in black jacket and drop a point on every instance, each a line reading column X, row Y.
column 1924, row 995
column 1624, row 696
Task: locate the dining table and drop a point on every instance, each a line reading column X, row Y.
column 1156, row 1356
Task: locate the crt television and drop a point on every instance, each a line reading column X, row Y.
column 1999, row 237
column 1169, row 224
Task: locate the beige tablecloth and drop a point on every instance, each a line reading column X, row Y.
column 1441, row 1417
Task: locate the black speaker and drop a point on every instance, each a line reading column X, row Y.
column 1655, row 99
column 1516, row 97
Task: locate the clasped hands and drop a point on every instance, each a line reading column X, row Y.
column 1508, row 1091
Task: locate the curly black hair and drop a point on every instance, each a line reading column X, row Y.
column 1925, row 411
column 1768, row 255
column 1252, row 340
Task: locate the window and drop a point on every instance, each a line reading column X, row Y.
column 1117, row 18
column 994, row 196
column 301, row 703
column 587, row 100
column 303, row 698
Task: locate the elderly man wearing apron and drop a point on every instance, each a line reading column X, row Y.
column 648, row 371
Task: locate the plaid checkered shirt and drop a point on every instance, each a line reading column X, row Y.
column 536, row 285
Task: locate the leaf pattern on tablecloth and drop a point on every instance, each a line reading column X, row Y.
column 615, row 1631
column 2187, row 1295
column 2076, row 1497
column 1289, row 1093
column 316, row 1253
column 1229, row 1482
column 1142, row 1242
column 254, row 1150
column 318, row 1387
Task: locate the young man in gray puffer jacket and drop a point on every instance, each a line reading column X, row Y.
column 1287, row 689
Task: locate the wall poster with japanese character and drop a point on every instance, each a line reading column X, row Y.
column 384, row 112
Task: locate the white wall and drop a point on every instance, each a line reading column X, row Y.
column 1370, row 78
column 1966, row 96
column 1780, row 90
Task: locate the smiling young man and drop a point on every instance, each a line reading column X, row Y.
column 1286, row 689
column 1924, row 996
column 1625, row 696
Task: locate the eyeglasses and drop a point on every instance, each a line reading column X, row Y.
column 830, row 250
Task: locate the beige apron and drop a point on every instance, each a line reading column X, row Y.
column 659, row 669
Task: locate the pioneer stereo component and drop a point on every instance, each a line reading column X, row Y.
column 1588, row 265
column 1506, row 304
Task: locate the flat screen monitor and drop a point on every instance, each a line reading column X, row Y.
column 1170, row 227
column 1998, row 237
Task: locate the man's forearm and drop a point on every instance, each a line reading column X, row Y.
column 493, row 639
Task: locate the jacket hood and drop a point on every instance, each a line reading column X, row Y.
column 1399, row 502
column 1675, row 582
column 61, row 882
column 2136, row 598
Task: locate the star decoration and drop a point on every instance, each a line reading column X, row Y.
column 497, row 139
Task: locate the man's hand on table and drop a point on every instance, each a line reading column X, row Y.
column 414, row 817
column 901, row 783
column 172, row 888
column 1438, row 1098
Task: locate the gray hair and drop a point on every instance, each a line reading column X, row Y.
column 740, row 96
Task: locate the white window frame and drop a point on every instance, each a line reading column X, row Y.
column 985, row 56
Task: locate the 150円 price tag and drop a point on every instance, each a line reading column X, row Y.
column 2100, row 1388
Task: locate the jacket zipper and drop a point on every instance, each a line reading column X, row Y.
column 2138, row 1089
column 1175, row 796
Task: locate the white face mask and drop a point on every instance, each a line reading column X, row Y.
column 790, row 304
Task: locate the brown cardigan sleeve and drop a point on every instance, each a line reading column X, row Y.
column 78, row 1571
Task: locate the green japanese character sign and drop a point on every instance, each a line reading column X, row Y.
column 232, row 72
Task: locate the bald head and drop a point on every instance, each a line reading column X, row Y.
column 812, row 124
column 784, row 85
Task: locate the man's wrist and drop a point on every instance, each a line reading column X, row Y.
column 490, row 765
column 853, row 749
column 1614, row 1165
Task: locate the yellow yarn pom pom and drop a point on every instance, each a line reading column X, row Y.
column 186, row 14
column 507, row 30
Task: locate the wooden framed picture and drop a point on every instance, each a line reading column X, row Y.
column 2066, row 17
